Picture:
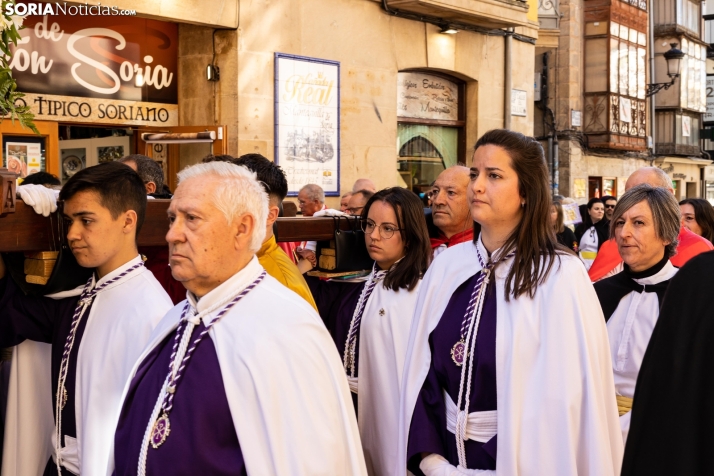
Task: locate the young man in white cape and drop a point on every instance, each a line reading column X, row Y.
column 242, row 377
column 525, row 357
column 96, row 334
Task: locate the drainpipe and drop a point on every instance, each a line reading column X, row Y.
column 652, row 80
column 507, row 79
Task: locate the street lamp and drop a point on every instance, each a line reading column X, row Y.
column 674, row 64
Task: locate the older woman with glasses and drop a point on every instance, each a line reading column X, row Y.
column 370, row 321
column 645, row 226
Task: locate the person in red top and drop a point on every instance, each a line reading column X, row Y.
column 450, row 209
column 609, row 262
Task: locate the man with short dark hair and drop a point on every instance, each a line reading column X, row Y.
column 270, row 256
column 150, row 172
column 96, row 336
column 610, row 203
column 357, row 201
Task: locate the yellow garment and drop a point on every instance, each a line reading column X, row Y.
column 589, row 254
column 624, row 404
column 279, row 266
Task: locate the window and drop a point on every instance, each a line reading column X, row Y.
column 693, row 76
column 615, row 86
column 689, row 14
column 429, row 129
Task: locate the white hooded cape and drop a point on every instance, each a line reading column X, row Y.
column 286, row 387
column 557, row 414
column 118, row 327
column 384, row 335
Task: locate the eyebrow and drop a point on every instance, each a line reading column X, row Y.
column 488, row 169
column 80, row 214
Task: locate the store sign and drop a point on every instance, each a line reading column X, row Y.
column 709, row 115
column 117, row 58
column 307, row 122
column 100, row 111
column 425, row 96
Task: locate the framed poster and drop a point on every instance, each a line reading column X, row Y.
column 307, row 122
column 24, row 155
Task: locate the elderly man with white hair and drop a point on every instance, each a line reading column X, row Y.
column 242, row 377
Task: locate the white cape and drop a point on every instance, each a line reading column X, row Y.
column 286, row 387
column 384, row 336
column 118, row 327
column 557, row 414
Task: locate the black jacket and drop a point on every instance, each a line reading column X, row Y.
column 568, row 239
column 602, row 228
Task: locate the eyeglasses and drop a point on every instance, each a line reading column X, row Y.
column 386, row 230
column 610, row 206
column 355, row 210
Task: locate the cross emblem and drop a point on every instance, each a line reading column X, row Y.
column 381, row 312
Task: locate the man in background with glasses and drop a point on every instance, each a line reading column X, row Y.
column 610, row 203
column 450, row 209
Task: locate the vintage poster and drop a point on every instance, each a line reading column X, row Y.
column 307, row 122
column 23, row 158
column 426, row 96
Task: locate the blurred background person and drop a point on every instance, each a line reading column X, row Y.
column 450, row 211
column 592, row 232
column 364, row 184
column 345, row 202
column 357, row 202
column 609, row 201
column 565, row 235
column 645, row 226
column 698, row 217
column 150, row 172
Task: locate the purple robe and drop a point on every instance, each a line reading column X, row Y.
column 46, row 320
column 428, row 433
column 202, row 439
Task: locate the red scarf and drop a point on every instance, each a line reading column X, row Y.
column 462, row 237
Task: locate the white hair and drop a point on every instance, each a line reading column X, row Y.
column 238, row 192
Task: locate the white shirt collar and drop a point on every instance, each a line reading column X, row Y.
column 231, row 287
column 116, row 272
column 663, row 275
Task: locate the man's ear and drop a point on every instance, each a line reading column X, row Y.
column 243, row 228
column 150, row 187
column 130, row 221
column 273, row 212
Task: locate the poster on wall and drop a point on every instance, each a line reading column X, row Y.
column 307, row 122
column 23, row 158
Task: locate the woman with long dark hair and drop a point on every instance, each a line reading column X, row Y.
column 508, row 342
column 592, row 232
column 563, row 234
column 698, row 217
column 372, row 320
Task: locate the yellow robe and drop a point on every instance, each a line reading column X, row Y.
column 279, row 266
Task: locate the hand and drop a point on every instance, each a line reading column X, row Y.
column 308, row 255
column 42, row 199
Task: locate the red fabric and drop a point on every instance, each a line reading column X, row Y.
column 289, row 248
column 608, row 257
column 462, row 237
column 157, row 261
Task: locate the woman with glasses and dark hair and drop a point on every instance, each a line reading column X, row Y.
column 508, row 342
column 698, row 217
column 371, row 321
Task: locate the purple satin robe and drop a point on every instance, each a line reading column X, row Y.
column 202, row 439
column 428, row 433
column 46, row 320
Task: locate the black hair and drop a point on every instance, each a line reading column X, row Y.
column 218, row 158
column 270, row 175
column 148, row 169
column 703, row 215
column 41, row 178
column 605, row 198
column 118, row 186
column 410, row 220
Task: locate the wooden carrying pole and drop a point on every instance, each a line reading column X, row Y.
column 21, row 229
